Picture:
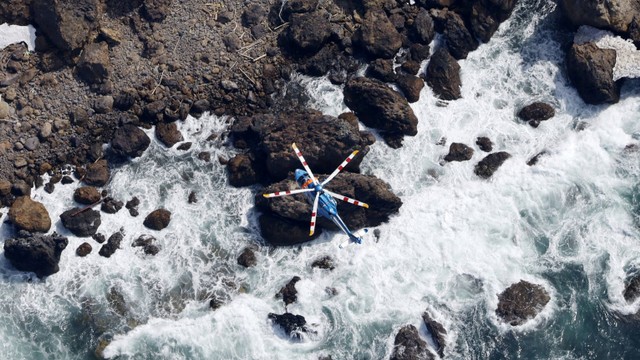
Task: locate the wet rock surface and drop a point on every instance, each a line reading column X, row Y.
column 288, row 293
column 409, row 346
column 113, row 244
column 487, row 166
column 158, row 219
column 292, row 325
column 81, row 222
column 443, row 75
column 247, row 258
column 437, row 332
column 520, row 302
column 459, row 152
column 591, row 72
column 37, row 253
column 632, row 288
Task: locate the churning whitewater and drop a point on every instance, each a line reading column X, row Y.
column 569, row 223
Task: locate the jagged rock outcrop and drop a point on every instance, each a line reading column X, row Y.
column 437, row 331
column 520, row 302
column 591, row 72
column 409, row 346
column 381, row 107
column 292, row 325
column 459, row 40
column 443, row 75
column 286, row 219
column 486, row 16
column 37, row 253
column 308, row 32
column 377, row 36
column 27, row 214
column 289, row 293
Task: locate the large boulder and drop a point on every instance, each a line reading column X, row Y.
column 67, row 24
column 292, row 325
column 27, row 214
column 409, row 346
column 158, row 219
column 443, row 75
column 98, row 173
column 168, row 133
column 538, row 111
column 486, row 16
column 308, row 32
column 324, row 140
column 487, row 166
column 422, row 30
column 86, row 195
column 81, row 222
column 590, row 69
column 129, row 141
column 410, row 85
column 296, row 211
column 243, row 170
column 377, row 36
column 378, row 106
column 94, row 66
column 520, row 302
column 459, row 40
column 615, row 15
column 37, row 253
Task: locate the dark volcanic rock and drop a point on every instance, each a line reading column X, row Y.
column 94, row 66
column 591, row 72
column 308, row 32
column 247, row 258
column 437, row 331
column 487, row 166
column 129, row 141
column 86, row 195
column 422, row 30
column 242, row 171
column 84, row 249
column 484, row 143
column 325, row 142
column 443, row 75
column 37, row 253
column 377, row 36
column 534, row 160
column 168, row 133
column 112, row 244
column 380, row 107
column 459, row 40
column 382, row 69
column 67, row 24
column 611, row 15
column 409, row 346
column 288, row 293
column 82, row 223
column 486, row 16
column 286, row 219
column 410, row 85
column 98, row 173
column 520, row 302
column 29, row 215
column 632, row 288
column 325, row 262
column 292, row 325
column 536, row 111
column 158, row 219
column 110, row 205
column 459, row 152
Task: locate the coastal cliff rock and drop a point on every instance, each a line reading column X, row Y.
column 68, row 25
column 615, row 15
column 325, row 142
column 291, row 214
column 37, row 253
column 27, row 214
column 443, row 75
column 520, row 302
column 382, row 108
column 409, row 346
column 591, row 72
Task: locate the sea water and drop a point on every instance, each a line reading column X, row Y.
column 570, row 223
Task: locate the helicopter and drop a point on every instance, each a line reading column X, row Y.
column 322, row 200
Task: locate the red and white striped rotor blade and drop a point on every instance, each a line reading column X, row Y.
column 314, row 214
column 304, row 163
column 339, row 168
column 347, row 199
column 287, row 192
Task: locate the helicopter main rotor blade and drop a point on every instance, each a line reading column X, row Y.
column 314, row 213
column 339, row 168
column 347, row 199
column 287, row 192
column 304, row 163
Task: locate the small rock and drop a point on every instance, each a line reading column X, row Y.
column 184, row 146
column 192, row 198
column 487, row 166
column 5, row 110
column 484, row 143
column 247, row 258
column 32, row 143
column 459, row 152
column 45, row 131
column 538, row 111
column 103, row 104
column 112, row 244
column 110, row 205
column 289, row 293
column 84, row 249
column 520, row 302
column 158, row 219
column 66, row 180
column 99, row 238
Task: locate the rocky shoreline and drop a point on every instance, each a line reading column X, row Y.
column 104, row 69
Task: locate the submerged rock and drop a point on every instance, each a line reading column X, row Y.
column 487, row 166
column 325, row 262
column 520, row 302
column 37, row 253
column 409, row 346
column 292, row 325
column 288, row 293
column 27, row 214
column 81, row 222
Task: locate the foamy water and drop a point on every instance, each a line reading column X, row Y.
column 566, row 223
